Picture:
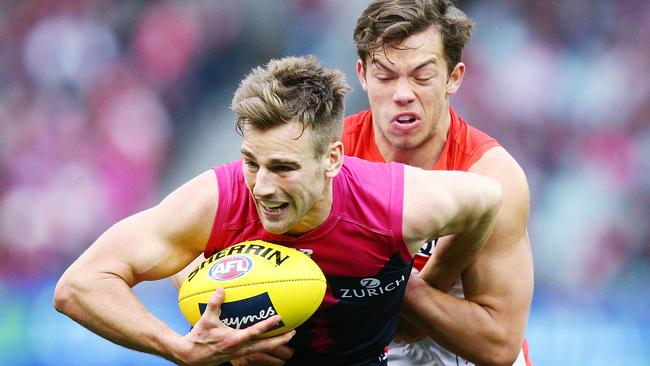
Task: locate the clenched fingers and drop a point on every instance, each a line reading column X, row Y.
column 264, row 345
column 276, row 357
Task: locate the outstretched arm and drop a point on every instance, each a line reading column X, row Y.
column 96, row 291
column 487, row 326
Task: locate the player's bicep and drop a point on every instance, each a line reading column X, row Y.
column 154, row 246
column 426, row 207
column 439, row 203
column 179, row 228
column 512, row 218
column 157, row 242
column 501, row 277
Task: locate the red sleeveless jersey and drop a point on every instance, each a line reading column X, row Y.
column 465, row 145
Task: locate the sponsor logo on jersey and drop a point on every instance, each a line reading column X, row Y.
column 370, row 282
column 230, row 268
column 244, row 313
column 370, row 287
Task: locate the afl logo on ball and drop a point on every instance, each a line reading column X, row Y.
column 230, row 268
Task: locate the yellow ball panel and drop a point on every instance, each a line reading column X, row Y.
column 259, row 280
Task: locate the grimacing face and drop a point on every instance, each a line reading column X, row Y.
column 408, row 89
column 291, row 187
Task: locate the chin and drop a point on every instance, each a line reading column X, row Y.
column 409, row 143
column 404, row 145
column 275, row 228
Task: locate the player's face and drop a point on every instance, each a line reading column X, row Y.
column 408, row 88
column 289, row 184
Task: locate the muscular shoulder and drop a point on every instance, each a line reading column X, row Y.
column 497, row 163
column 189, row 210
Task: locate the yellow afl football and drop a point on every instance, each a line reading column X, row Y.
column 260, row 280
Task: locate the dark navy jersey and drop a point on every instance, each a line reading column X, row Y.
column 357, row 328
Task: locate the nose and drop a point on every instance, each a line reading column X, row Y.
column 403, row 93
column 263, row 186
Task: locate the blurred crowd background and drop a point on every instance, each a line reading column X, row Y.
column 107, row 106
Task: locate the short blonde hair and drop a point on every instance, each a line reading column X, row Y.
column 293, row 89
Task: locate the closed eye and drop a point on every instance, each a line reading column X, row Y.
column 384, row 77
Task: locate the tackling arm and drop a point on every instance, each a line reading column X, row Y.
column 487, row 327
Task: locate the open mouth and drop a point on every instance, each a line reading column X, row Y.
column 405, row 121
column 406, row 118
column 273, row 207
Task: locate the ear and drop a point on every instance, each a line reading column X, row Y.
column 334, row 159
column 455, row 78
column 361, row 73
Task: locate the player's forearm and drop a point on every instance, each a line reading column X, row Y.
column 459, row 325
column 453, row 256
column 108, row 307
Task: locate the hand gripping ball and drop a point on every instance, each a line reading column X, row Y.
column 260, row 280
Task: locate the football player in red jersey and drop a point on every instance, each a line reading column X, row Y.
column 410, row 66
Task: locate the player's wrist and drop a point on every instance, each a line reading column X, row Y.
column 180, row 350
